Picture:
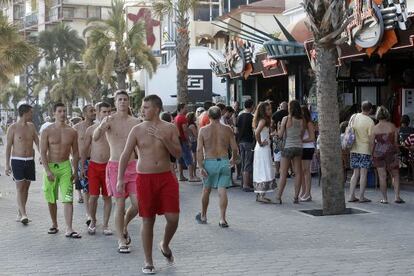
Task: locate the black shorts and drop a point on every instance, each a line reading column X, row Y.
column 23, row 169
column 307, row 153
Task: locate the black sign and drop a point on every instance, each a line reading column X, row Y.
column 200, row 85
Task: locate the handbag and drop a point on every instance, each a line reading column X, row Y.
column 279, row 142
column 349, row 137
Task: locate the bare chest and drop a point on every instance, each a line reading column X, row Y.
column 119, row 131
column 61, row 137
column 23, row 135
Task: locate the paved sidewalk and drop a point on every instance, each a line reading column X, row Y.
column 261, row 240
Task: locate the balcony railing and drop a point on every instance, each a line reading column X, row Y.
column 30, row 20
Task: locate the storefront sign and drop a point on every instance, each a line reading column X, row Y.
column 200, row 85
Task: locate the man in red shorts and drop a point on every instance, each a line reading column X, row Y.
column 157, row 186
column 99, row 155
column 116, row 127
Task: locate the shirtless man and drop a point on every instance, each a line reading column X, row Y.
column 89, row 114
column 117, row 127
column 57, row 142
column 157, row 186
column 212, row 151
column 20, row 139
column 98, row 151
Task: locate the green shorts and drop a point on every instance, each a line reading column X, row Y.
column 219, row 173
column 63, row 182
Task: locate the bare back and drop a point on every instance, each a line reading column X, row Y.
column 22, row 137
column 216, row 139
column 117, row 135
column 59, row 142
column 154, row 157
column 81, row 129
column 98, row 150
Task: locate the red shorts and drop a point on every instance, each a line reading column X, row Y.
column 157, row 194
column 130, row 177
column 96, row 177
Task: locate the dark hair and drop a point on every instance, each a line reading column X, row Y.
column 121, row 92
column 214, row 113
column 366, row 106
column 86, row 108
column 103, row 104
column 222, row 106
column 248, row 103
column 174, row 114
column 191, row 118
column 207, row 105
column 180, row 106
column 230, row 109
column 23, row 109
column 306, row 114
column 58, row 105
column 405, row 119
column 166, row 116
column 343, row 126
column 155, row 100
column 260, row 114
column 294, row 109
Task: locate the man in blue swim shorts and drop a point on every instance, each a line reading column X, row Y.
column 214, row 140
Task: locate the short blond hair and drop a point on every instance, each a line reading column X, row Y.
column 382, row 113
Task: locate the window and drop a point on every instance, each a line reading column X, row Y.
column 68, row 12
column 202, row 12
column 94, row 12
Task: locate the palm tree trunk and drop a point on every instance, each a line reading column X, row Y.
column 330, row 148
column 121, row 80
column 182, row 52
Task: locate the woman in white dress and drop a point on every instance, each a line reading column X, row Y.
column 263, row 171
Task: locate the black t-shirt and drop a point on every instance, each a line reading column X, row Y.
column 278, row 116
column 245, row 128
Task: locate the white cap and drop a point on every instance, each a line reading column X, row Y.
column 200, row 109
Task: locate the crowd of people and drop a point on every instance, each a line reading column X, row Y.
column 119, row 157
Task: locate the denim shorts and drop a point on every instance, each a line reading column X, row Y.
column 186, row 157
column 291, row 153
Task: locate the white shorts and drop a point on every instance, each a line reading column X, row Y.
column 277, row 156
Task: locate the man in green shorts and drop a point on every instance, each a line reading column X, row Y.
column 57, row 142
column 214, row 140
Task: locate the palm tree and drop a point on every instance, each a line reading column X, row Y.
column 15, row 52
column 61, row 43
column 71, row 84
column 181, row 9
column 46, row 78
column 13, row 93
column 327, row 20
column 112, row 48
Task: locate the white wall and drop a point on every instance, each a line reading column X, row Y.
column 164, row 84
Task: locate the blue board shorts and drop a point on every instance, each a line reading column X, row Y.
column 82, row 184
column 219, row 173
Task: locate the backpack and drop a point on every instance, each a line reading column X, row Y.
column 349, row 137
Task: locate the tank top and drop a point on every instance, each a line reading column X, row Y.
column 308, row 145
column 293, row 135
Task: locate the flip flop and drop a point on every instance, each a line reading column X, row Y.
column 52, row 230
column 127, row 238
column 25, row 221
column 354, row 200
column 80, row 200
column 365, row 200
column 194, row 180
column 382, row 201
column 169, row 257
column 183, row 179
column 107, row 232
column 223, row 225
column 199, row 220
column 148, row 269
column 73, row 235
column 124, row 249
column 399, row 201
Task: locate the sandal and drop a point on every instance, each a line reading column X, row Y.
column 25, row 221
column 73, row 235
column 353, row 200
column 169, row 256
column 88, row 221
column 107, row 232
column 148, row 269
column 383, row 201
column 80, row 200
column 127, row 238
column 53, row 230
column 223, row 224
column 399, row 201
column 295, row 201
column 91, row 230
column 199, row 220
column 364, row 200
column 124, row 249
column 183, row 179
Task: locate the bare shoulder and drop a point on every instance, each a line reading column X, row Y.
column 90, row 129
column 227, row 129
column 77, row 126
column 11, row 127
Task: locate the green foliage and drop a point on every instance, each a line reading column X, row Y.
column 111, row 52
column 15, row 52
column 12, row 93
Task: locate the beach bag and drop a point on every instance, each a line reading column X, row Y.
column 349, row 137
